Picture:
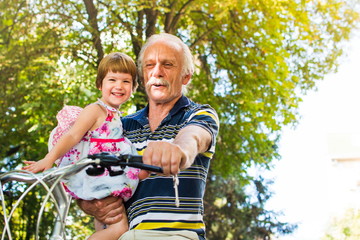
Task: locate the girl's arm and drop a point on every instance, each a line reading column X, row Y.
column 88, row 119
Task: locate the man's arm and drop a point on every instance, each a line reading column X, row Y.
column 192, row 140
column 180, row 154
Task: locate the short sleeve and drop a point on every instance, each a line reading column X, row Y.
column 206, row 117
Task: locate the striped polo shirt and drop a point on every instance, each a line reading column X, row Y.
column 153, row 204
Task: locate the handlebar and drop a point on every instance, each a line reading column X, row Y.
column 98, row 161
column 107, row 160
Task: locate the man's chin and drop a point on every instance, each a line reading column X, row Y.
column 157, row 94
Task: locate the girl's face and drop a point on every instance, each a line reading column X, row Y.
column 116, row 88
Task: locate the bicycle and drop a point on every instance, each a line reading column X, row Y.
column 50, row 180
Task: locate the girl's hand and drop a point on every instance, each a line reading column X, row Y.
column 38, row 166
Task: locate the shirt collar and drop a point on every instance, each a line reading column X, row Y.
column 142, row 115
column 180, row 104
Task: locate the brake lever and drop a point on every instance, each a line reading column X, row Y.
column 108, row 159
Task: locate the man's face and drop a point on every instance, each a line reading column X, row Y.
column 162, row 70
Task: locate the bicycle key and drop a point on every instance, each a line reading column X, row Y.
column 176, row 184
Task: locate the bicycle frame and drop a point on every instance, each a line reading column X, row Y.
column 56, row 192
column 50, row 180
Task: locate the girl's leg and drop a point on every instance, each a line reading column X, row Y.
column 112, row 232
column 99, row 225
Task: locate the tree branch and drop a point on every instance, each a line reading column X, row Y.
column 151, row 17
column 172, row 19
column 92, row 17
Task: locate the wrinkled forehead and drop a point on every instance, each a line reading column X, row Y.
column 163, row 50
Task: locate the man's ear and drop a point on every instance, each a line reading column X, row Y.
column 186, row 79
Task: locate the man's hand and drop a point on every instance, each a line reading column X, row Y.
column 109, row 210
column 168, row 156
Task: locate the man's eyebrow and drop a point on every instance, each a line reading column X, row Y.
column 172, row 60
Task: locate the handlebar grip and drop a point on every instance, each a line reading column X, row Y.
column 136, row 162
column 147, row 167
column 132, row 158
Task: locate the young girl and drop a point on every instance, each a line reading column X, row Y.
column 96, row 128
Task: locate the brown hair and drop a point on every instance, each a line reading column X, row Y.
column 117, row 62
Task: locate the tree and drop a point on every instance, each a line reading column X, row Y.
column 230, row 205
column 253, row 59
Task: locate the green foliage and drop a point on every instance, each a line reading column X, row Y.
column 344, row 227
column 254, row 59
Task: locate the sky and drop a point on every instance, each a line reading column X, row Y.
column 307, row 187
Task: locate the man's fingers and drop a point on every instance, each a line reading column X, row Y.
column 166, row 155
column 175, row 160
column 143, row 174
column 112, row 216
column 166, row 161
column 109, row 210
column 147, row 157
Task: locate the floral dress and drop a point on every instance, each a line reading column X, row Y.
column 107, row 138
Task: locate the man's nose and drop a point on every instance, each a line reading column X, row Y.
column 158, row 71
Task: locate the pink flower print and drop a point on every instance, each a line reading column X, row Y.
column 105, row 147
column 70, row 192
column 104, row 129
column 133, row 173
column 124, row 193
column 96, row 148
column 109, row 117
column 85, row 138
column 116, row 193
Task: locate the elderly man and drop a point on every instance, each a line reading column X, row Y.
column 171, row 132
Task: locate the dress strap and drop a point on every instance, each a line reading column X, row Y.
column 111, row 109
